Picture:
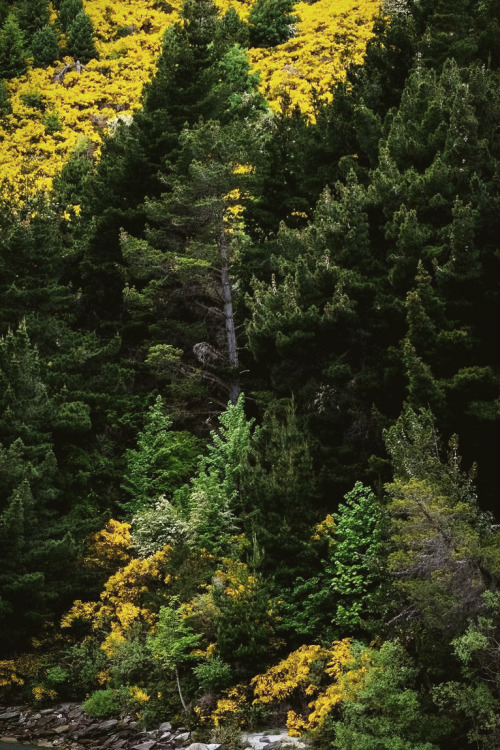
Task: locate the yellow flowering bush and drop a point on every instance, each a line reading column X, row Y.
column 121, row 602
column 129, row 38
column 109, row 547
column 302, row 675
column 8, row 674
column 41, row 693
column 330, row 37
column 230, row 707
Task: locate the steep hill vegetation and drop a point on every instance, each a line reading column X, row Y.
column 248, row 366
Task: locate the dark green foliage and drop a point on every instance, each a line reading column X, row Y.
column 81, row 44
column 279, row 492
column 32, row 16
column 35, row 546
column 44, row 47
column 68, row 11
column 270, row 22
column 343, row 273
column 12, row 50
column 5, row 108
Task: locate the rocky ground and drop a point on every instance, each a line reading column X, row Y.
column 68, row 727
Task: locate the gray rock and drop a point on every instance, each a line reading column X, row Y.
column 10, row 715
column 144, row 745
column 181, row 739
column 9, row 740
column 62, row 729
column 166, row 736
column 109, row 724
column 47, row 711
column 165, row 727
column 214, row 746
column 198, row 746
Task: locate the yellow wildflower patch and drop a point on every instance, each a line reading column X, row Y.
column 330, row 36
column 8, row 674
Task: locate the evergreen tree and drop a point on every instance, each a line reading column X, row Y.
column 44, row 47
column 439, row 537
column 68, row 11
column 162, row 461
column 356, row 558
column 32, row 16
column 12, row 51
column 81, row 43
column 270, row 22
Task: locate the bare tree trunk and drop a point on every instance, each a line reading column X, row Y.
column 227, row 298
column 180, row 691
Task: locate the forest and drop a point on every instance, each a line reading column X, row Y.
column 249, row 366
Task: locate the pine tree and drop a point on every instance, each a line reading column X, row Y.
column 68, row 11
column 32, row 16
column 44, row 47
column 12, row 51
column 81, row 43
column 162, row 462
column 270, row 22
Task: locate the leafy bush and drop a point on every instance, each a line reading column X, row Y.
column 103, row 703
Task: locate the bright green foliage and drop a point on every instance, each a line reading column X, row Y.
column 173, row 639
column 102, row 703
column 12, row 50
column 172, row 642
column 213, row 675
column 356, row 557
column 81, row 43
column 162, row 462
column 438, row 534
column 211, row 497
column 44, row 47
column 387, row 712
column 271, row 22
column 477, row 696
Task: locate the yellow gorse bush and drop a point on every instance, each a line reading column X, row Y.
column 329, row 37
column 8, row 674
column 121, row 601
column 303, row 674
column 85, row 105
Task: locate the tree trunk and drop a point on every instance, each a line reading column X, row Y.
column 227, row 298
column 180, row 691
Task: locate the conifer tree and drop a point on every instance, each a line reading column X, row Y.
column 44, row 47
column 162, row 461
column 32, row 16
column 68, row 11
column 12, row 50
column 270, row 22
column 81, row 43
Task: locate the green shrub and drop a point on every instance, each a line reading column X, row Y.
column 103, row 703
